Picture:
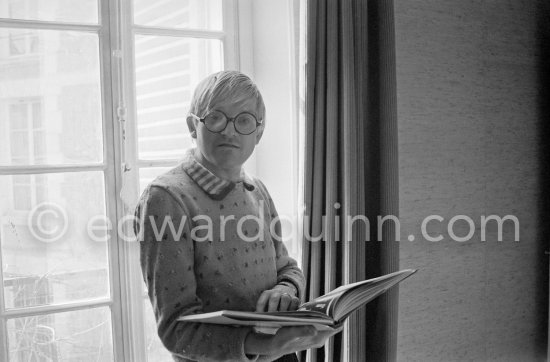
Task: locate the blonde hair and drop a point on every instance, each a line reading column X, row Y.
column 223, row 85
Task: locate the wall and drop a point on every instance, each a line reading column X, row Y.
column 467, row 108
column 271, row 35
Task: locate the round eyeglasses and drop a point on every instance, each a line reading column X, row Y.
column 216, row 121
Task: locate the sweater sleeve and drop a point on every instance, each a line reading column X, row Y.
column 287, row 267
column 167, row 263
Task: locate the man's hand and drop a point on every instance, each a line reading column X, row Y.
column 277, row 299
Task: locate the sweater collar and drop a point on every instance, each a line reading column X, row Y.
column 214, row 186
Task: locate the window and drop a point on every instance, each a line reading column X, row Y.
column 62, row 148
column 93, row 99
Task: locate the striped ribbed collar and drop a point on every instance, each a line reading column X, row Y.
column 214, row 186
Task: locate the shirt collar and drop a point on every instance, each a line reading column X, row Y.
column 214, row 186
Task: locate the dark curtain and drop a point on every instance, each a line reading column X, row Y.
column 543, row 107
column 351, row 166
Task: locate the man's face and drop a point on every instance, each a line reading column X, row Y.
column 228, row 149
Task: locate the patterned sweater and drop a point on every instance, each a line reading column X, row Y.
column 204, row 264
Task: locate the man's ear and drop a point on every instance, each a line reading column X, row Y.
column 259, row 133
column 192, row 127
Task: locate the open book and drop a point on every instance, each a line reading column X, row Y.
column 325, row 312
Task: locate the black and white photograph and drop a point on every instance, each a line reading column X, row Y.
column 274, row 180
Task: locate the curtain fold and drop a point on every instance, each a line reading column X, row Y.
column 350, row 165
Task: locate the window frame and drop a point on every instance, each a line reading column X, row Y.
column 130, row 162
column 120, row 165
column 102, row 29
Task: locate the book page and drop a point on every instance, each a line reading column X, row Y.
column 340, row 302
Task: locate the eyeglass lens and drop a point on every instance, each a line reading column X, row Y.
column 245, row 123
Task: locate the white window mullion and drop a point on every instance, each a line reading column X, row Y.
column 40, row 169
column 56, row 308
column 4, row 353
column 111, row 156
column 127, row 184
column 187, row 33
column 46, row 25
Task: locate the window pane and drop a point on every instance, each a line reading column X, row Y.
column 56, row 89
column 191, row 14
column 83, row 335
column 73, row 11
column 167, row 70
column 53, row 258
column 155, row 350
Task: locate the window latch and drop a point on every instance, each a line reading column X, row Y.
column 121, row 113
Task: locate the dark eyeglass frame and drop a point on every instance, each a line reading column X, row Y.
column 227, row 120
